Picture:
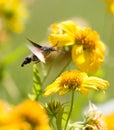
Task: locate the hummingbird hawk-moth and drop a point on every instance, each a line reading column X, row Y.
column 39, row 53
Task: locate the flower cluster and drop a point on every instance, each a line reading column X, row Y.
column 83, row 46
column 87, row 53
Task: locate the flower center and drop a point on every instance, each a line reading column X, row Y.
column 71, row 80
column 87, row 38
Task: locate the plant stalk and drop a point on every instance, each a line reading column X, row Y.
column 70, row 111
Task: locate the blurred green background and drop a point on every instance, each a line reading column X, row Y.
column 16, row 82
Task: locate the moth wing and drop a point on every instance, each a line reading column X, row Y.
column 34, row 44
column 37, row 52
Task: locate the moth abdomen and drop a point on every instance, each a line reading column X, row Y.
column 28, row 59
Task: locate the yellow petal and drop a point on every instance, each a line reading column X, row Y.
column 61, row 40
column 69, row 27
column 53, row 88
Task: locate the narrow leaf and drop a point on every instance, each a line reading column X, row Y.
column 37, row 89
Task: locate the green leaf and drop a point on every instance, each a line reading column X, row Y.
column 37, row 85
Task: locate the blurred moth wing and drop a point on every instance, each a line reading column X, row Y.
column 37, row 52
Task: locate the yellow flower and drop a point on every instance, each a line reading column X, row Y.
column 31, row 115
column 63, row 33
column 13, row 14
column 110, row 5
column 88, row 52
column 75, row 80
column 109, row 119
column 26, row 116
column 87, row 49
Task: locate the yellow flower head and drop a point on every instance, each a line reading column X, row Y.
column 75, row 80
column 26, row 116
column 13, row 14
column 110, row 5
column 88, row 51
column 109, row 119
column 30, row 114
column 63, row 33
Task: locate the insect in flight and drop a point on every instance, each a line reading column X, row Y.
column 39, row 53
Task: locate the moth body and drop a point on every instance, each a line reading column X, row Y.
column 39, row 53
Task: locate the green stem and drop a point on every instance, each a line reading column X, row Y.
column 71, row 107
column 49, row 71
column 64, row 67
